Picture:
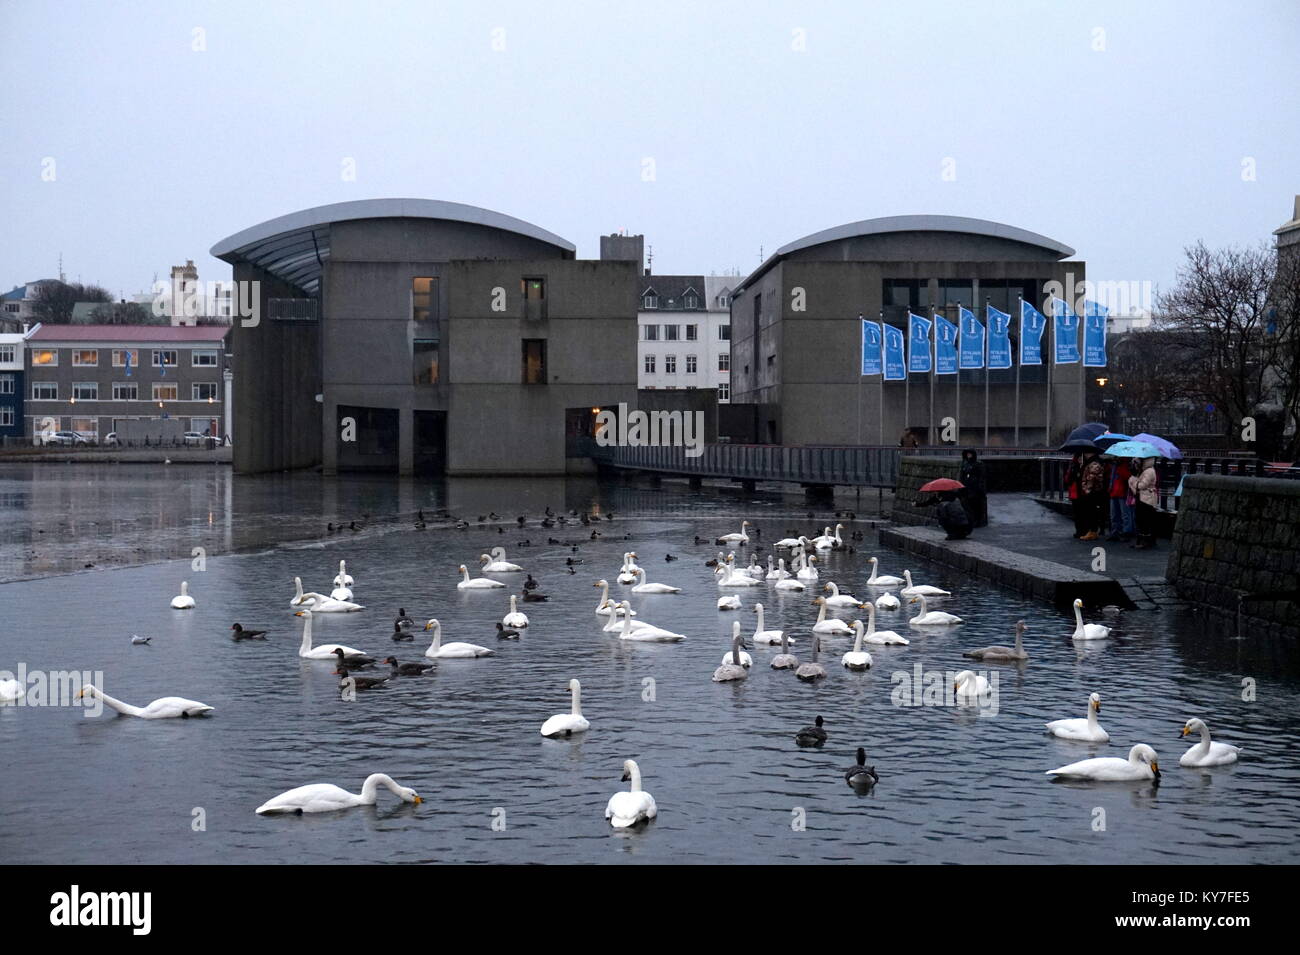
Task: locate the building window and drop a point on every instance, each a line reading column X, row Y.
column 423, row 299
column 45, row 391
column 6, row 353
column 649, row 364
column 12, row 307
column 724, row 362
column 724, row 301
column 125, row 391
column 85, row 357
column 203, row 391
column 165, row 391
column 650, row 333
column 45, row 357
column 85, row 391
column 86, row 427
column 204, row 358
column 724, row 391
column 164, row 358
column 425, row 355
column 692, row 333
column 121, row 355
column 6, row 384
column 534, row 354
column 724, row 333
column 670, row 364
column 534, row 289
column 690, row 364
column 204, row 426
column 691, row 300
column 672, row 333
column 649, row 300
column 771, row 361
column 6, row 417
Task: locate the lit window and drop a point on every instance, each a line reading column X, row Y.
column 165, row 391
column 85, row 357
column 45, row 356
column 534, row 356
column 423, row 299
column 164, row 357
column 120, row 356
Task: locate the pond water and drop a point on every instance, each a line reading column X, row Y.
column 720, row 759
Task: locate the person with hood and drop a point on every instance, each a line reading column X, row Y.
column 975, row 497
column 1145, row 484
column 1092, row 491
column 950, row 513
column 1122, row 526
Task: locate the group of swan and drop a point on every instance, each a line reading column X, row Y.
column 319, row 603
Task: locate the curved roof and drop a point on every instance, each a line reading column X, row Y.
column 293, row 247
column 852, row 230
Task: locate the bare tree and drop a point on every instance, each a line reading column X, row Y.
column 125, row 313
column 54, row 301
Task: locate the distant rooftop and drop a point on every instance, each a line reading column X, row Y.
column 129, row 333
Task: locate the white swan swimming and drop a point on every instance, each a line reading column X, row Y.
column 11, row 690
column 478, row 583
column 791, row 543
column 735, row 662
column 837, row 599
column 812, row 671
column 1206, row 752
column 299, row 598
column 515, row 618
column 785, row 660
column 627, row 573
column 566, row 724
column 728, row 576
column 737, row 643
column 999, row 652
column 496, row 563
column 326, row 797
column 932, row 618
column 761, row 633
column 776, row 571
column 969, row 685
column 183, row 600
column 1141, row 764
column 920, row 590
column 789, row 583
column 644, row 631
column 1087, row 631
column 1086, row 729
column 326, row 650
column 881, row 580
column 804, row 566
column 168, row 707
column 881, row 637
column 607, row 607
column 319, row 603
column 887, row 602
column 834, row 625
column 343, row 578
column 644, row 588
column 741, row 538
column 829, row 541
column 626, row 809
column 729, row 602
column 450, row 651
column 754, row 569
column 857, row 658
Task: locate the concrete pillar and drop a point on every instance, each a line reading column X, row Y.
column 329, row 442
column 405, row 441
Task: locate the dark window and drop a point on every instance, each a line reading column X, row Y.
column 534, row 289
column 425, row 360
column 534, row 354
column 424, row 299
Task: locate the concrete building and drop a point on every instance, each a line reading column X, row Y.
column 796, row 335
column 92, row 378
column 414, row 334
column 12, row 349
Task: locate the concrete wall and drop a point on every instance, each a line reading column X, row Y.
column 704, row 400
column 1239, row 535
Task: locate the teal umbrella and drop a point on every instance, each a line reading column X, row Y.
column 1109, row 438
column 1133, row 449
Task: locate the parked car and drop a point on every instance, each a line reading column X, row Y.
column 65, row 438
column 110, row 439
column 202, row 440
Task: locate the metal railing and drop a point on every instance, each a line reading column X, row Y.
column 859, row 466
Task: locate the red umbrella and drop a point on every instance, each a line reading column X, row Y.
column 943, row 484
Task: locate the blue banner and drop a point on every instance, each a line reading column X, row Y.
column 871, row 357
column 918, row 344
column 1032, row 323
column 128, row 363
column 971, row 342
column 999, row 337
column 895, row 366
column 945, row 346
column 1094, row 334
column 1067, row 333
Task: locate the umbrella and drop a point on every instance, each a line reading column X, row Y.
column 942, row 484
column 1167, row 448
column 1078, row 444
column 1134, row 449
column 1087, row 432
column 1109, row 438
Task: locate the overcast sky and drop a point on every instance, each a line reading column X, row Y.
column 136, row 135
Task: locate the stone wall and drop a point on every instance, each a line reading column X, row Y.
column 913, row 471
column 1240, row 537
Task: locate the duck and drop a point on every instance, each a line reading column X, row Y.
column 1087, row 631
column 164, row 708
column 785, row 660
column 881, row 580
column 350, row 681
column 857, row 658
column 497, row 563
column 606, row 607
column 645, row 588
column 740, row 538
column 447, row 651
column 530, row 584
column 506, row 633
column 534, row 597
column 881, row 637
column 1206, row 752
column 763, row 635
column 969, row 685
column 478, row 583
column 860, row 775
column 344, row 662
column 776, row 571
column 326, row 650
column 837, row 599
column 183, row 600
column 1086, row 729
column 834, row 625
column 408, row 669
column 1142, row 764
column 403, row 622
column 735, row 665
column 932, row 618
column 242, row 634
column 627, row 809
column 811, row 672
column 1000, row 652
column 645, row 632
column 515, row 618
column 566, row 724
column 729, row 602
column 813, row 735
column 326, row 797
column 343, row 578
column 920, row 590
column 401, row 634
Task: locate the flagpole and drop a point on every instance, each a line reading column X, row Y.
column 930, row 355
column 1020, row 347
column 985, row 350
column 1051, row 357
column 862, row 347
column 957, row 346
column 880, row 410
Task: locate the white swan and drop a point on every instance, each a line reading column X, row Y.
column 627, row 573
column 478, row 583
column 920, row 590
column 11, row 690
column 644, row 588
column 887, row 602
column 881, row 580
column 969, row 685
column 1085, row 730
column 762, row 634
column 566, row 724
column 833, row 625
column 299, row 598
column 741, row 538
column 932, row 618
column 735, row 662
column 785, row 660
column 326, row 650
column 791, row 542
column 1087, row 631
column 777, row 572
column 183, row 600
column 343, row 578
column 1206, row 753
column 837, row 599
column 881, row 637
column 168, row 707
column 829, row 541
column 644, row 631
column 754, row 570
column 514, row 618
column 1000, row 652
column 857, row 658
column 1141, row 764
column 341, row 593
column 496, row 563
column 729, row 602
column 319, row 603
column 626, row 809
column 789, row 583
column 728, row 576
column 804, row 564
column 448, row 651
column 326, row 797
column 607, row 607
column 812, row 671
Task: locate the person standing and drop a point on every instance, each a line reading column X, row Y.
column 1073, row 471
column 1121, row 511
column 1092, row 490
column 975, row 496
column 1144, row 486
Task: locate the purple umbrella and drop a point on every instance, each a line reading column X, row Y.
column 1167, row 448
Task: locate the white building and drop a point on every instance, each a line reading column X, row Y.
column 684, row 332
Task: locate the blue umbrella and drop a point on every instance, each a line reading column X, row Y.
column 1087, row 432
column 1134, row 449
column 1167, row 448
column 1109, row 438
